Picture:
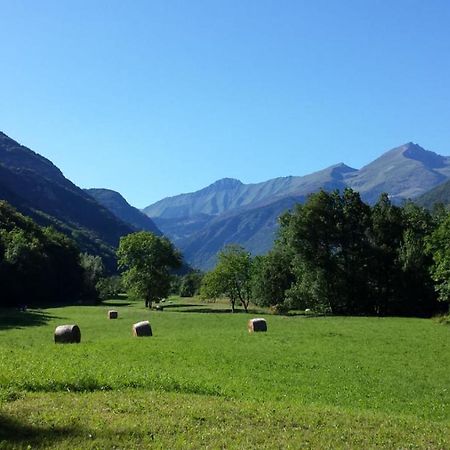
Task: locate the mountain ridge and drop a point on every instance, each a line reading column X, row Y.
column 36, row 187
column 222, row 210
column 116, row 203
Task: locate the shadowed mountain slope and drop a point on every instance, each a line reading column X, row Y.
column 36, row 187
column 439, row 194
column 116, row 204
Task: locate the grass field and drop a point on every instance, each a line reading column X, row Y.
column 203, row 382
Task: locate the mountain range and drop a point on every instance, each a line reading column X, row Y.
column 202, row 222
column 37, row 188
column 229, row 211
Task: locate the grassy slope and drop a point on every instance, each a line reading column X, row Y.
column 203, row 380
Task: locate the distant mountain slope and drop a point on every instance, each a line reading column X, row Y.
column 229, row 194
column 37, row 187
column 439, row 194
column 404, row 172
column 116, row 204
column 202, row 222
column 254, row 228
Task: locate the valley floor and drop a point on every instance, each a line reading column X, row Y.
column 203, row 382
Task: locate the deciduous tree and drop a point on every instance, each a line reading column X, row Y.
column 146, row 260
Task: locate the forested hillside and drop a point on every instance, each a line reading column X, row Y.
column 38, row 266
column 38, row 188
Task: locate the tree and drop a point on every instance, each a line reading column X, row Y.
column 438, row 246
column 231, row 277
column 38, row 266
column 146, row 260
column 109, row 287
column 93, row 271
column 271, row 278
column 190, row 284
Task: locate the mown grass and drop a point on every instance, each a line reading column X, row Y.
column 308, row 381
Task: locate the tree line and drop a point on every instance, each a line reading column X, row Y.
column 41, row 266
column 337, row 254
column 334, row 253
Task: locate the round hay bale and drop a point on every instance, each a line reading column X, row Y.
column 142, row 329
column 257, row 324
column 113, row 314
column 67, row 334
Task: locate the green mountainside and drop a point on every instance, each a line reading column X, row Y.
column 439, row 194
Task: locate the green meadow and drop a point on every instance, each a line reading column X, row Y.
column 202, row 381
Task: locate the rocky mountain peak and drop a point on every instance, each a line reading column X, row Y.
column 226, row 183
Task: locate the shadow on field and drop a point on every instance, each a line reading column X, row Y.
column 11, row 318
column 203, row 310
column 14, row 433
column 115, row 303
column 177, row 305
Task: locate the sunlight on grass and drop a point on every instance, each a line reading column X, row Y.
column 389, row 371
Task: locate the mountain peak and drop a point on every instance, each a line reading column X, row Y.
column 226, row 183
column 427, row 157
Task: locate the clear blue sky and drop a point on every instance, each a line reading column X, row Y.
column 155, row 98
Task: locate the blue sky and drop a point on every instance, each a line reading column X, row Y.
column 156, row 98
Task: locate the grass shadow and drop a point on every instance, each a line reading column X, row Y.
column 12, row 318
column 203, row 310
column 15, row 433
column 115, row 303
column 177, row 305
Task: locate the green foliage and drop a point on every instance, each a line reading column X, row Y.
column 438, row 245
column 348, row 258
column 146, row 260
column 93, row 271
column 232, row 277
column 190, row 284
column 37, row 265
column 271, row 278
column 109, row 287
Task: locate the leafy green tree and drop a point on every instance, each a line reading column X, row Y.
column 438, row 246
column 327, row 238
column 190, row 284
column 38, row 265
column 387, row 233
column 416, row 295
column 146, row 260
column 271, row 278
column 231, row 277
column 211, row 287
column 109, row 287
column 93, row 271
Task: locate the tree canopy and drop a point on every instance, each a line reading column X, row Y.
column 146, row 261
column 37, row 265
column 231, row 277
column 335, row 253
